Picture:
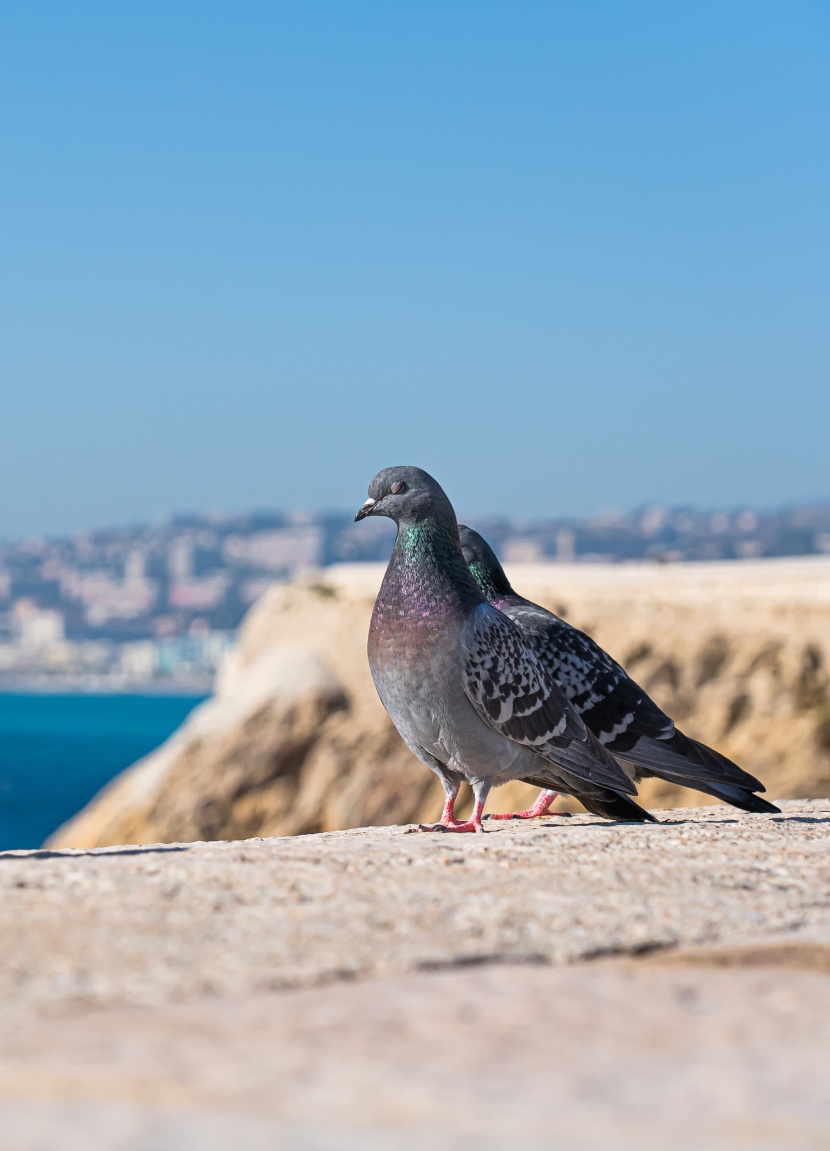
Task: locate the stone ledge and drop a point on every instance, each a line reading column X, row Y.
column 375, row 988
column 146, row 925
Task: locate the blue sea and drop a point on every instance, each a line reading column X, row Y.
column 56, row 751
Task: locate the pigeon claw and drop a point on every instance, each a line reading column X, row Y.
column 468, row 825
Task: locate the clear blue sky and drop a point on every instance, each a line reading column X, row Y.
column 567, row 256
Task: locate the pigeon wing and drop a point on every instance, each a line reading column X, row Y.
column 513, row 693
column 623, row 716
column 616, row 708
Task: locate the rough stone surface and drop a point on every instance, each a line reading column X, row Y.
column 738, row 653
column 495, row 1058
column 567, row 983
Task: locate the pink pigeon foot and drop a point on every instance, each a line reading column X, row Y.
column 452, row 824
column 540, row 807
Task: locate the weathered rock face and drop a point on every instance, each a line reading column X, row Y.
column 296, row 740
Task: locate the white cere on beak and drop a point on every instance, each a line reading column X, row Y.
column 370, row 503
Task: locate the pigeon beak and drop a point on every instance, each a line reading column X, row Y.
column 365, row 511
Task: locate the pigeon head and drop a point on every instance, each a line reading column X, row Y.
column 406, row 495
column 482, row 562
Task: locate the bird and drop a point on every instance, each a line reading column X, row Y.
column 617, row 710
column 462, row 687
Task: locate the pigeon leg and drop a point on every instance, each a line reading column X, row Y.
column 448, row 822
column 473, row 824
column 540, row 807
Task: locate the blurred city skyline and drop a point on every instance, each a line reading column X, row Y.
column 159, row 605
column 564, row 256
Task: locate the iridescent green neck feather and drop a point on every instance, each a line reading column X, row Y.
column 484, row 580
column 427, row 568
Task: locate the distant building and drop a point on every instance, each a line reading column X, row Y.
column 35, row 628
column 199, row 594
column 284, row 550
column 653, row 519
column 105, row 597
column 521, row 551
column 180, row 562
column 566, row 545
column 137, row 661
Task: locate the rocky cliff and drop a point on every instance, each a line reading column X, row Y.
column 295, row 739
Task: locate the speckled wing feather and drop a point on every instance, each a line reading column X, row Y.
column 621, row 714
column 615, row 708
column 513, row 693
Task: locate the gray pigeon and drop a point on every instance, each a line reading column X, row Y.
column 466, row 694
column 616, row 709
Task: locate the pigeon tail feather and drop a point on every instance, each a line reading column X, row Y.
column 613, row 806
column 687, row 762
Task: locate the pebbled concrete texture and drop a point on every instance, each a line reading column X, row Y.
column 562, row 983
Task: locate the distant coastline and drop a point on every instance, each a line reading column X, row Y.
column 104, row 685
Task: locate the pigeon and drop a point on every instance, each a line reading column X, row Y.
column 616, row 709
column 458, row 680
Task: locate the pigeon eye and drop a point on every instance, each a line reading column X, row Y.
column 397, row 488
